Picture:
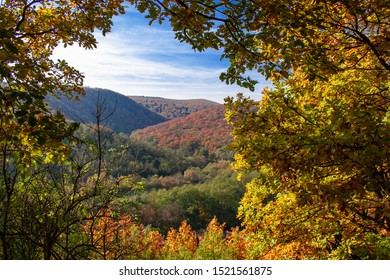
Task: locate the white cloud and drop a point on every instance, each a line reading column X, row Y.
column 141, row 60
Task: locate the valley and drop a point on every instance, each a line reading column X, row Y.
column 174, row 151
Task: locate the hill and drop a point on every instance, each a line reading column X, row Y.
column 172, row 108
column 127, row 115
column 206, row 128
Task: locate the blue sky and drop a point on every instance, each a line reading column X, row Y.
column 139, row 59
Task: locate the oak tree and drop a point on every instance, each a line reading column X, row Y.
column 30, row 134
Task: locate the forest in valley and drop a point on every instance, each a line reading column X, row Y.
column 302, row 173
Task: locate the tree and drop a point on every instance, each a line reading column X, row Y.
column 180, row 244
column 120, row 237
column 319, row 137
column 276, row 37
column 30, row 134
column 323, row 149
column 51, row 200
column 29, row 32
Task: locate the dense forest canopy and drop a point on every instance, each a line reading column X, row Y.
column 205, row 129
column 315, row 147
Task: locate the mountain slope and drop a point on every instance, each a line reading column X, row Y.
column 205, row 128
column 127, row 115
column 172, row 108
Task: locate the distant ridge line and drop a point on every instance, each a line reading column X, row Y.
column 173, row 108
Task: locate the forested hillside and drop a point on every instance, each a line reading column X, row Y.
column 173, row 108
column 204, row 129
column 164, row 186
column 125, row 115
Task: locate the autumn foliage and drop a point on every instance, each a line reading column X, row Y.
column 122, row 238
column 206, row 128
column 316, row 145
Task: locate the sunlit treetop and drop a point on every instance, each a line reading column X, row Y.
column 30, row 30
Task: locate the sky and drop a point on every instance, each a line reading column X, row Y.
column 139, row 59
